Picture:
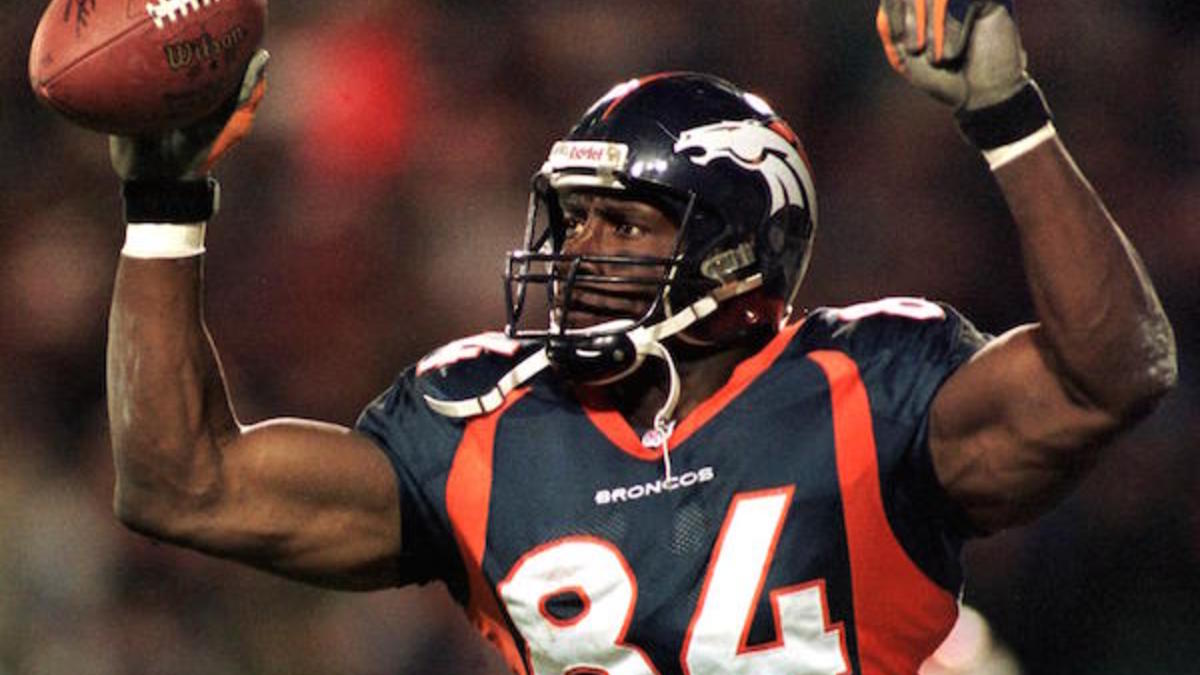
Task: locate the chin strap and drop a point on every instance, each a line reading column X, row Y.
column 660, row 435
column 646, row 339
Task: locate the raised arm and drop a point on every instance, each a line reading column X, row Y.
column 308, row 500
column 1018, row 426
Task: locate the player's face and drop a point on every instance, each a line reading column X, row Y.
column 603, row 225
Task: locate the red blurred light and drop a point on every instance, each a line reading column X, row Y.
column 362, row 92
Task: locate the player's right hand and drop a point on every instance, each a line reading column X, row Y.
column 190, row 153
column 965, row 53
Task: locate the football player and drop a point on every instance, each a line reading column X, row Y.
column 677, row 471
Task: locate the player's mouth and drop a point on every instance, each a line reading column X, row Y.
column 587, row 310
column 600, row 297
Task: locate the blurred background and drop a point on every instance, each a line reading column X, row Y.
column 365, row 222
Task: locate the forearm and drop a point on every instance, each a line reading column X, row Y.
column 168, row 410
column 309, row 500
column 1101, row 323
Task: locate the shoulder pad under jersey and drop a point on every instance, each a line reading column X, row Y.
column 470, row 367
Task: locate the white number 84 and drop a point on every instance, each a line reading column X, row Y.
column 595, row 572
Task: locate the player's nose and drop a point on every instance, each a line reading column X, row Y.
column 588, row 241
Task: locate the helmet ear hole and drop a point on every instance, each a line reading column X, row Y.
column 784, row 248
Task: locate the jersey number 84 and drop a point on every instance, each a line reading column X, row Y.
column 594, row 571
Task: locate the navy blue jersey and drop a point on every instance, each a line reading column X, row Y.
column 801, row 529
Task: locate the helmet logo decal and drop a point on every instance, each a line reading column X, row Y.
column 755, row 147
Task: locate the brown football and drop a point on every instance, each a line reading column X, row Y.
column 134, row 67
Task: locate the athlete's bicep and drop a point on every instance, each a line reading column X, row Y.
column 1007, row 438
column 312, row 501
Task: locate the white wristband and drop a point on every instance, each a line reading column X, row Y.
column 998, row 157
column 163, row 240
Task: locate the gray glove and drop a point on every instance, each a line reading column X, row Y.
column 190, row 153
column 965, row 53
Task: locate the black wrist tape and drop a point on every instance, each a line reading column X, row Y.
column 170, row 201
column 1006, row 122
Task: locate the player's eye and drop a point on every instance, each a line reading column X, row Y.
column 627, row 229
column 573, row 222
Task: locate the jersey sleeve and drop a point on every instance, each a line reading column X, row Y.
column 905, row 349
column 420, row 445
column 946, row 345
column 910, row 345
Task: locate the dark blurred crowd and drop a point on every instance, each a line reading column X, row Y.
column 365, row 222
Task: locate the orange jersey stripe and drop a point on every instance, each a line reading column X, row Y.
column 616, row 428
column 743, row 375
column 468, row 494
column 900, row 615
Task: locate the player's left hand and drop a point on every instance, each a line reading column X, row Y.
column 965, row 53
column 190, row 153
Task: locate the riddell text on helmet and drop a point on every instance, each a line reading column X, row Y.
column 634, row 492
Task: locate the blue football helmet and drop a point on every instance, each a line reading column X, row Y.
column 725, row 168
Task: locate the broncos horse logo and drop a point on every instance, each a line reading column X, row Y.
column 755, row 147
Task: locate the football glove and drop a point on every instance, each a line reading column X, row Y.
column 189, row 154
column 965, row 53
column 968, row 54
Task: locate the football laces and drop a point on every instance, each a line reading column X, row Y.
column 172, row 10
